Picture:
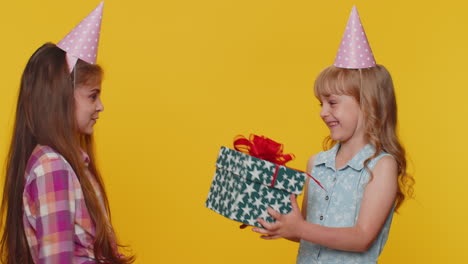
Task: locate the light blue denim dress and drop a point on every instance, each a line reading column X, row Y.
column 339, row 206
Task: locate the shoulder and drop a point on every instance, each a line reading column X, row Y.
column 43, row 152
column 369, row 158
column 386, row 169
column 310, row 162
column 45, row 160
column 386, row 162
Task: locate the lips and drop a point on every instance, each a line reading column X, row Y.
column 331, row 124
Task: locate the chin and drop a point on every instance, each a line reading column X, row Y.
column 338, row 138
column 87, row 132
column 335, row 137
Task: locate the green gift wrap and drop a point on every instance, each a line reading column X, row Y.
column 244, row 187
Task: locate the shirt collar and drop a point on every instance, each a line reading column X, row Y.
column 357, row 162
column 328, row 157
column 85, row 157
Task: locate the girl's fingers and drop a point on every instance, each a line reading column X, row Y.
column 270, row 237
column 263, row 223
column 261, row 231
column 294, row 205
column 268, row 226
column 276, row 215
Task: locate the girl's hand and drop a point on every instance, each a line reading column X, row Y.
column 286, row 226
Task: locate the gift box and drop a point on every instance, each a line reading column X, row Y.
column 245, row 186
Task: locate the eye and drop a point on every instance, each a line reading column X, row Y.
column 332, row 102
column 93, row 96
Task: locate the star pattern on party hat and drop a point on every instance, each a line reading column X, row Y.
column 354, row 51
column 82, row 42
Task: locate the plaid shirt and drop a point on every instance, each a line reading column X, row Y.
column 57, row 223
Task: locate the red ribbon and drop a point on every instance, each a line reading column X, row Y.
column 267, row 149
column 263, row 148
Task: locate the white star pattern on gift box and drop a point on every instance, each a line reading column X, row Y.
column 276, row 206
column 279, row 185
column 229, row 157
column 246, row 209
column 233, row 216
column 249, row 189
column 231, row 182
column 269, row 196
column 292, row 182
column 264, row 214
column 255, row 174
column 241, row 187
column 248, row 162
column 269, row 166
column 265, row 177
column 296, row 190
column 252, row 221
column 286, row 200
column 240, row 198
column 258, row 203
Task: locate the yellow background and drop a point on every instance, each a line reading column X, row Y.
column 185, row 77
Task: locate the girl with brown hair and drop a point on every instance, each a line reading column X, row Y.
column 54, row 207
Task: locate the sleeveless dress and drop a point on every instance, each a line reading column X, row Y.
column 339, row 206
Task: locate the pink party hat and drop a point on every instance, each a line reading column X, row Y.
column 82, row 42
column 354, row 51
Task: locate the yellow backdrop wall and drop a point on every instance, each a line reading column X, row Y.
column 184, row 77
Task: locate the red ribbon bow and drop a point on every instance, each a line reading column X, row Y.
column 263, row 148
column 267, row 149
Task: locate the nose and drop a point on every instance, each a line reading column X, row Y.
column 324, row 112
column 99, row 106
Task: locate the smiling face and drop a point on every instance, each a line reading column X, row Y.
column 342, row 115
column 339, row 92
column 88, row 105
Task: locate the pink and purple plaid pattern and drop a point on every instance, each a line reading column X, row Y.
column 57, row 223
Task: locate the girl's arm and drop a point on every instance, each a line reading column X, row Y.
column 51, row 202
column 379, row 197
column 310, row 165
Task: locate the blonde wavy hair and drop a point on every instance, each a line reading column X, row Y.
column 373, row 89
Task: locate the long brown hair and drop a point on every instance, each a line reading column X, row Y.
column 45, row 115
column 373, row 89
